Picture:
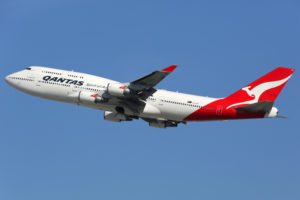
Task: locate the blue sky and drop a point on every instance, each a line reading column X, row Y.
column 50, row 150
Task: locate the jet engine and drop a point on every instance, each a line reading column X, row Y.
column 115, row 117
column 117, row 89
column 86, row 97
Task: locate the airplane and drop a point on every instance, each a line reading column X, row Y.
column 140, row 99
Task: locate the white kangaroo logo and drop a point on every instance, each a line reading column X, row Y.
column 257, row 91
column 249, row 92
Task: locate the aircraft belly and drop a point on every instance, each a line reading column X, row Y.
column 105, row 107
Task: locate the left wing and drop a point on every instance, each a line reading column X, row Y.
column 131, row 96
column 151, row 80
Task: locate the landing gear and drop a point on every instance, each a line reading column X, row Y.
column 120, row 109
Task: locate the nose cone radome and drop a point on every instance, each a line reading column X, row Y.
column 7, row 79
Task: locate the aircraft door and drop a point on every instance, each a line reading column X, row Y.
column 161, row 101
column 219, row 110
column 31, row 75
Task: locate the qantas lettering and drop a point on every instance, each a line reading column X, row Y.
column 63, row 80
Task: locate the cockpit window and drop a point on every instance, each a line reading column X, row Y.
column 28, row 68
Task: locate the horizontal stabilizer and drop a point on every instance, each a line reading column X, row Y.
column 259, row 107
column 282, row 117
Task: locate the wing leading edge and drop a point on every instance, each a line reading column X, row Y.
column 149, row 81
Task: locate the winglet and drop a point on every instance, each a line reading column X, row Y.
column 169, row 69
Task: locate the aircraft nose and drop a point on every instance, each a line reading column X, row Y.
column 7, row 79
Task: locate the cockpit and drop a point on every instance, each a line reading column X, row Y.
column 28, row 68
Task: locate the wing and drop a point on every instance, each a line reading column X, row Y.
column 151, row 80
column 132, row 95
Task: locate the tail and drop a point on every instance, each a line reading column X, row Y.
column 265, row 89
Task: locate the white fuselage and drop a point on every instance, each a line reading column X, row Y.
column 66, row 86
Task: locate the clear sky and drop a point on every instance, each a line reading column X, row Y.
column 51, row 150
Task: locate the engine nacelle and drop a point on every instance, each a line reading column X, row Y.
column 117, row 89
column 115, row 117
column 86, row 97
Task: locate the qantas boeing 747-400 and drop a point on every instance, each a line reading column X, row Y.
column 139, row 98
